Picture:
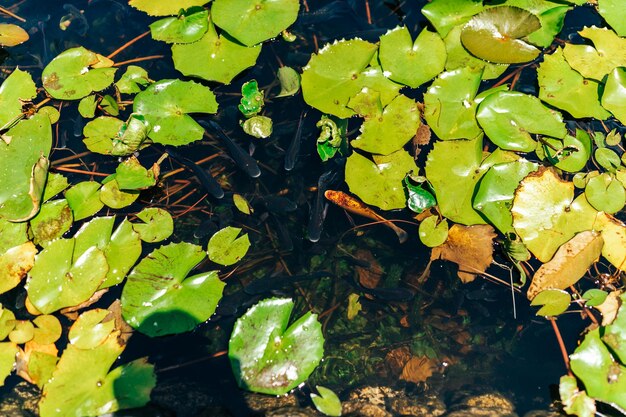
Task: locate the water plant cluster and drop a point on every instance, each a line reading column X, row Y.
column 543, row 172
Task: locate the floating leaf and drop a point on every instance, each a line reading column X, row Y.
column 225, row 248
column 189, row 26
column 132, row 80
column 214, row 57
column 166, row 104
column 251, row 101
column 450, row 109
column 395, row 127
column 379, row 182
column 326, row 402
column 112, row 196
column 258, row 126
column 157, row 225
column 52, row 221
column 608, row 159
column 76, row 73
column 614, row 235
column 614, row 334
column 459, row 58
column 90, row 329
column 18, row 88
column 58, row 279
column 289, row 81
column 242, row 204
column 550, row 15
column 594, row 297
column 574, row 401
column 8, row 351
column 23, row 332
column 24, row 151
column 332, row 137
column 159, row 298
column 131, row 175
column 11, row 35
column 615, row 15
column 509, row 118
column 453, row 169
column 571, row 154
column 433, row 232
column 411, row 63
column 252, row 22
column 605, row 193
column 552, row 302
column 564, row 88
column 87, row 106
column 614, row 93
column 165, row 8
column 569, row 264
column 14, row 264
column 48, row 329
column 446, row 14
column 84, row 199
column 495, row 35
column 419, row 199
column 546, row 215
column 590, row 62
column 269, row 357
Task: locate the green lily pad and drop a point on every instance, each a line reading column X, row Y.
column 24, row 151
column 84, row 199
column 87, row 106
column 52, row 221
column 214, row 57
column 496, row 189
column 165, row 8
column 81, row 384
column 614, row 93
column 133, row 79
column 49, row 288
column 546, row 215
column 8, row 352
column 446, row 14
column 608, row 54
column 607, row 159
column 159, row 298
column 109, row 105
column 572, row 153
column 90, row 330
column 54, row 185
column 449, row 106
column 157, row 225
column 605, row 193
column 615, row 15
column 551, row 17
column 225, row 248
column 289, row 80
column 12, row 35
column 334, row 75
column 260, row 127
column 242, row 204
column 552, row 302
column 412, row 63
column 420, row 199
column 111, row 136
column 165, row 106
column 41, row 366
column 379, row 182
column 112, row 196
column 453, row 168
column 326, row 402
column 17, row 88
column 509, row 118
column 76, row 73
column 189, row 26
column 458, row 57
column 564, row 88
column 594, row 297
column 7, row 322
column 251, row 21
column 269, row 357
column 131, row 175
column 433, row 232
column 52, row 113
column 395, row 127
column 251, row 99
column 12, row 234
column 496, row 35
column 594, row 365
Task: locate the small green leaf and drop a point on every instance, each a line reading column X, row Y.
column 189, row 26
column 157, row 225
column 225, row 248
column 605, row 193
column 553, row 302
column 87, row 106
column 84, row 199
column 112, row 196
column 289, row 81
column 326, row 402
column 419, row 199
column 131, row 175
column 614, row 93
column 48, row 329
column 432, row 232
column 258, row 126
column 594, row 297
column 19, row 87
column 251, row 99
column 132, row 80
column 242, row 204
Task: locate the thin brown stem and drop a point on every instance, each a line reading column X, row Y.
column 140, row 59
column 81, row 171
column 13, row 15
column 127, row 44
column 557, row 333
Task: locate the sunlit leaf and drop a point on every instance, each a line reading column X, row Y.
column 165, row 8
column 189, row 26
column 90, row 329
column 571, row 154
column 23, row 332
column 614, row 93
column 251, row 101
column 157, row 224
column 225, row 248
column 112, row 196
column 605, row 193
column 594, row 297
column 458, row 57
column 132, row 80
column 131, row 175
column 433, row 232
column 590, row 62
column 11, row 35
column 242, row 204
column 8, row 351
column 14, row 264
column 52, row 221
column 615, row 15
column 446, row 14
column 326, row 402
column 84, row 199
column 614, row 235
column 553, row 302
column 48, row 329
column 269, row 357
column 575, row 401
column 18, row 88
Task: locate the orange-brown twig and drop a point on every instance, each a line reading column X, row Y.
column 140, row 59
column 557, row 333
column 127, row 44
column 81, row 171
column 13, row 15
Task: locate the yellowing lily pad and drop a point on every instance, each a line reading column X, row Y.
column 495, row 35
column 11, row 35
column 14, row 264
column 165, row 8
column 614, row 235
column 590, row 62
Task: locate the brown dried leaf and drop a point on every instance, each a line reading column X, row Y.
column 72, row 312
column 23, row 356
column 569, row 264
column 396, row 359
column 368, row 277
column 418, row 369
column 471, row 247
column 609, row 307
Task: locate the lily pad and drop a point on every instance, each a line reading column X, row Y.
column 326, row 402
column 166, row 104
column 157, row 225
column 48, row 329
column 449, row 106
column 90, row 329
column 551, row 17
column 379, row 182
column 24, row 151
column 608, row 54
column 132, row 80
column 14, row 264
column 289, row 80
column 165, row 8
column 388, row 133
column 225, row 248
column 546, row 215
column 159, row 298
column 131, row 175
column 8, row 352
column 251, row 102
column 251, row 21
column 614, row 93
column 76, row 73
column 458, row 57
column 84, row 199
column 571, row 154
column 564, row 88
column 509, row 118
column 412, row 63
column 552, row 302
column 614, row 235
column 496, row 35
column 12, row 35
column 446, row 14
column 433, row 232
column 615, row 15
column 605, row 193
column 15, row 90
column 453, row 169
column 189, row 26
column 214, row 57
column 269, row 357
column 112, row 196
column 58, row 279
column 52, row 221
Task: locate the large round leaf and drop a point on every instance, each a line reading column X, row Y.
column 458, row 57
column 76, row 73
column 165, row 105
column 269, row 357
column 446, row 14
column 159, row 298
column 509, row 118
column 412, row 63
column 165, row 8
column 614, row 95
column 495, row 35
column 379, row 182
column 551, row 17
column 254, row 21
column 214, row 57
column 614, row 12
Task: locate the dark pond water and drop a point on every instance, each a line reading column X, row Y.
column 470, row 327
